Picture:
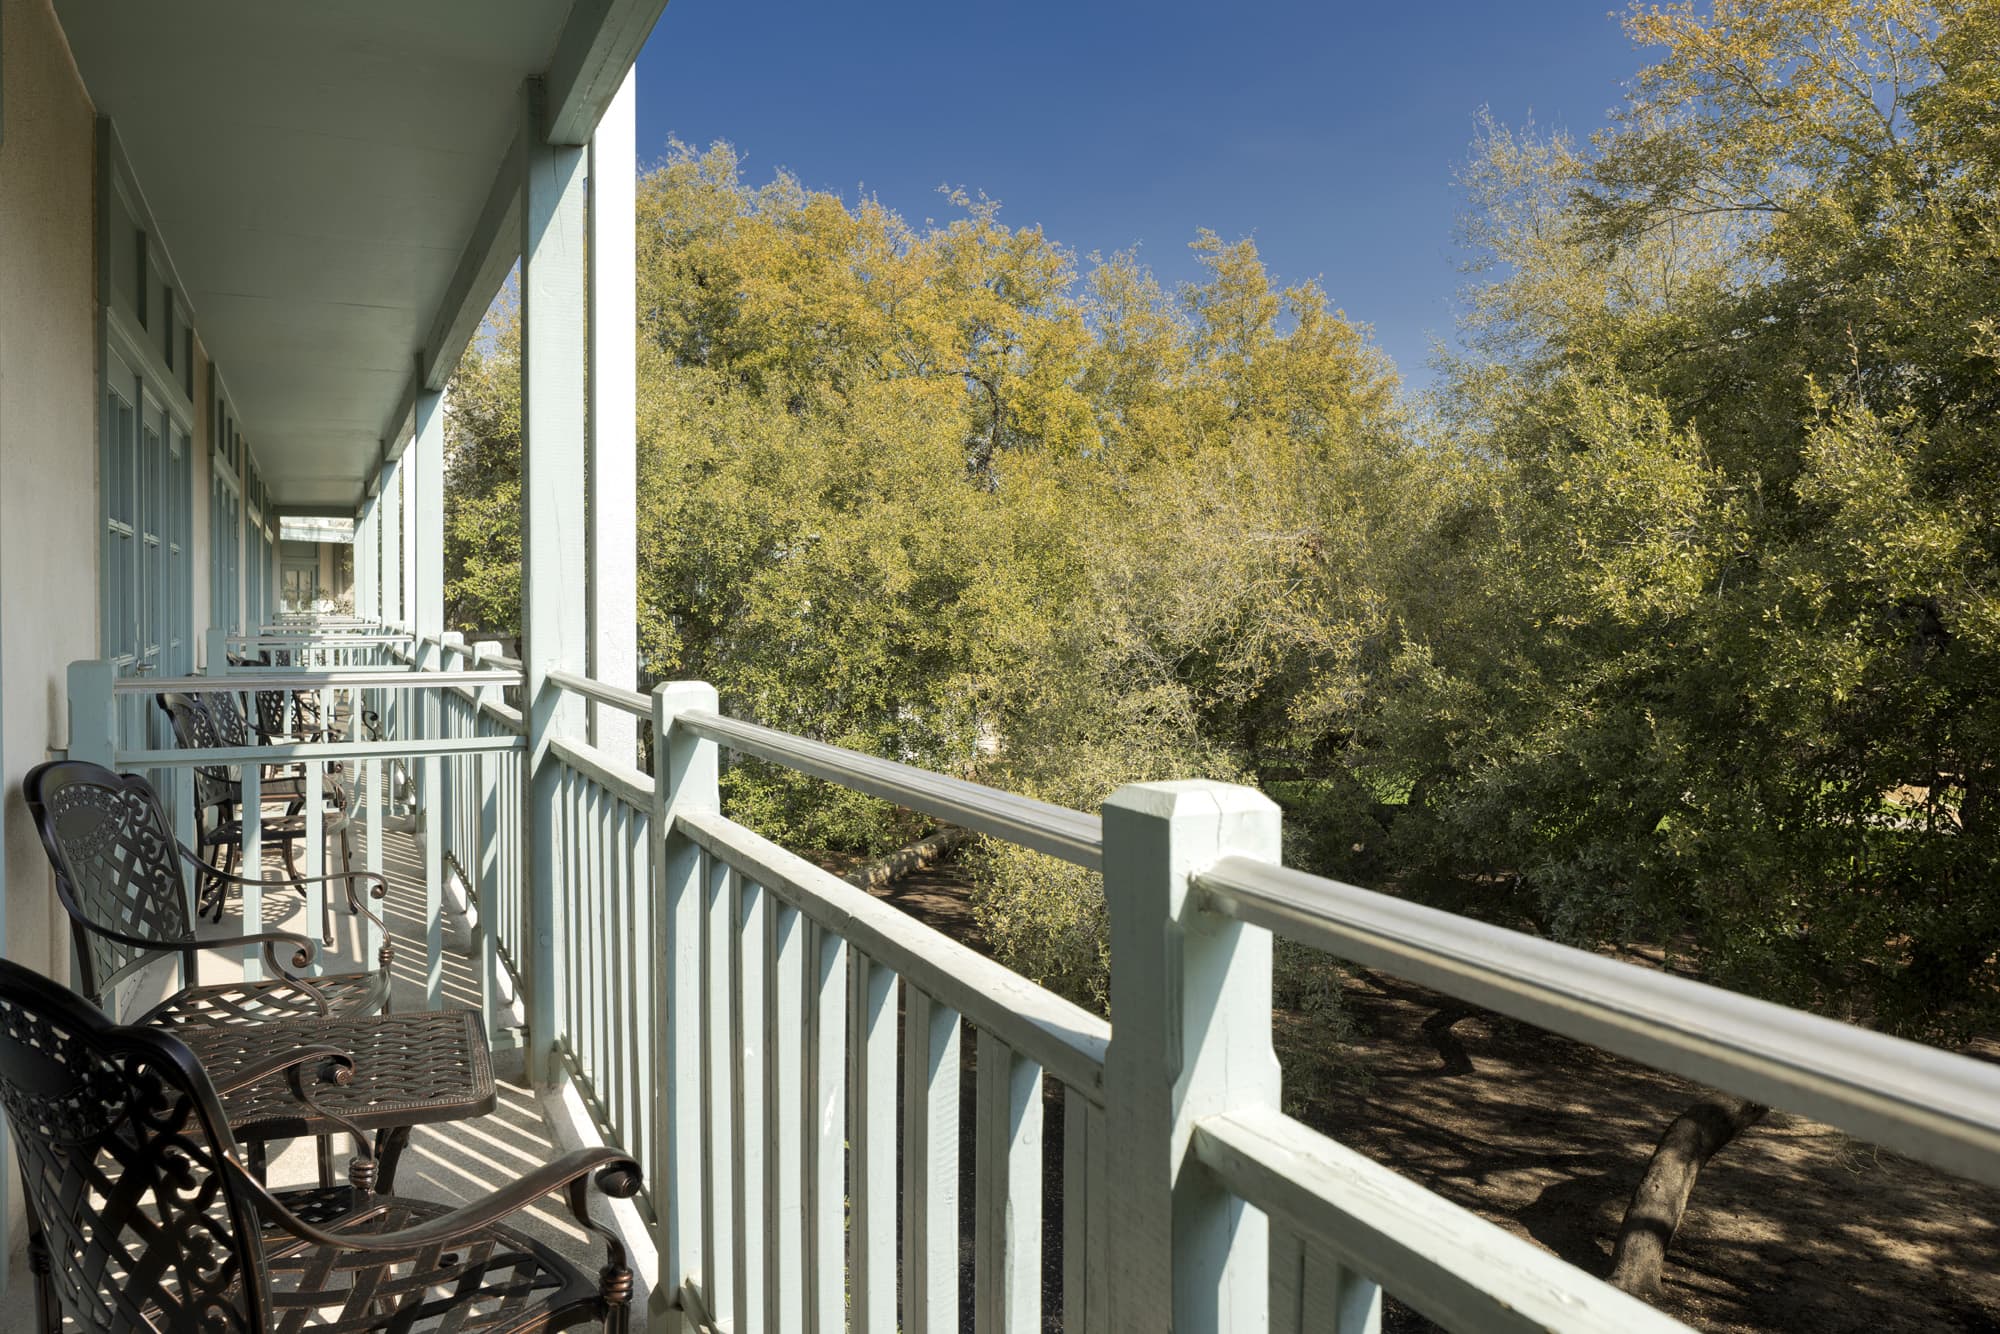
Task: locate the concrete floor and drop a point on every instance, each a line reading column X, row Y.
column 454, row 1163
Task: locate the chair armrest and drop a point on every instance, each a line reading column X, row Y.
column 613, row 1173
column 304, row 950
column 379, row 891
column 250, row 1072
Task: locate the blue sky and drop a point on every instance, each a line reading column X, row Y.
column 1330, row 132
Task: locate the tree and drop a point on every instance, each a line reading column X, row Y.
column 482, row 530
column 1725, row 679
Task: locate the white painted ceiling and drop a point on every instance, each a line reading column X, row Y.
column 315, row 171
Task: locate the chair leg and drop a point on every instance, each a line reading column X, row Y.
column 48, row 1317
column 325, row 1145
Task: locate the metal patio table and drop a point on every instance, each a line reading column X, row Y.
column 413, row 1069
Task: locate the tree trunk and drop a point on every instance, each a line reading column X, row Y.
column 1697, row 1135
column 908, row 860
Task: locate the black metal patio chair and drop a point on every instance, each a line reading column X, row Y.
column 143, row 1216
column 291, row 715
column 201, row 724
column 119, row 876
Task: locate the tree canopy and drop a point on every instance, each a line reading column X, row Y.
column 1667, row 615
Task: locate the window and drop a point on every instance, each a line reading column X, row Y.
column 145, row 613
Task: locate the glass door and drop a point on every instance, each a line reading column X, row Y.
column 145, row 607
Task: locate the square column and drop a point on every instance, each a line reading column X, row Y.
column 553, row 570
column 426, row 455
column 613, row 535
column 389, row 520
column 366, row 553
column 406, row 470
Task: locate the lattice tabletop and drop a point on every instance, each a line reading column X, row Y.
column 409, row 1069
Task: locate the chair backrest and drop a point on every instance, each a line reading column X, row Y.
column 120, row 1140
column 271, row 705
column 227, row 713
column 194, row 729
column 271, row 712
column 116, row 863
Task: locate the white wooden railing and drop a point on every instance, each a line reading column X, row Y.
column 785, row 1053
column 1202, row 1206
column 351, row 646
column 384, row 777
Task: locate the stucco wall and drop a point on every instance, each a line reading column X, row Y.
column 48, row 436
column 48, row 457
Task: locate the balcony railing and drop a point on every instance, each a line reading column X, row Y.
column 783, row 1052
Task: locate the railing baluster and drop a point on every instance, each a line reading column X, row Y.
column 718, row 1090
column 619, row 966
column 931, row 1057
column 1086, row 1230
column 826, row 1143
column 251, row 813
column 372, row 936
column 784, row 1155
column 650, row 972
column 748, row 1052
column 576, row 959
column 605, row 1073
column 555, row 984
column 1288, row 1261
column 1334, row 1299
column 1007, row 1239
column 434, row 820
column 483, row 877
column 872, row 1143
column 315, row 813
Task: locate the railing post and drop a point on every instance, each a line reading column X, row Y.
column 217, row 661
column 483, row 878
column 686, row 770
column 1190, row 1037
column 93, row 711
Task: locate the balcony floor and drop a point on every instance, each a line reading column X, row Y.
column 454, row 1163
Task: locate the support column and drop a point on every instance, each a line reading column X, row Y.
column 406, row 468
column 552, row 559
column 426, row 455
column 366, row 550
column 389, row 519
column 614, row 541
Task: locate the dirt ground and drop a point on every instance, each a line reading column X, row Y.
column 1794, row 1228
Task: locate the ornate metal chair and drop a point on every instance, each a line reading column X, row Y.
column 118, row 874
column 143, row 1216
column 218, row 794
column 293, row 715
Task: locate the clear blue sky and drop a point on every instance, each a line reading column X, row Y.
column 1329, row 131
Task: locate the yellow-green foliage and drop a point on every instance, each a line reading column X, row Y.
column 1669, row 614
column 1727, row 674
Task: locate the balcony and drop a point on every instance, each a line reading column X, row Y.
column 796, row 1062
column 845, row 1118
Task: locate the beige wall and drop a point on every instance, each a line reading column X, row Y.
column 48, row 435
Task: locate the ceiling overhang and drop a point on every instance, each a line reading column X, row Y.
column 335, row 185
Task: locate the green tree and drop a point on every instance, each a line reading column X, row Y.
column 482, row 529
column 1720, row 676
